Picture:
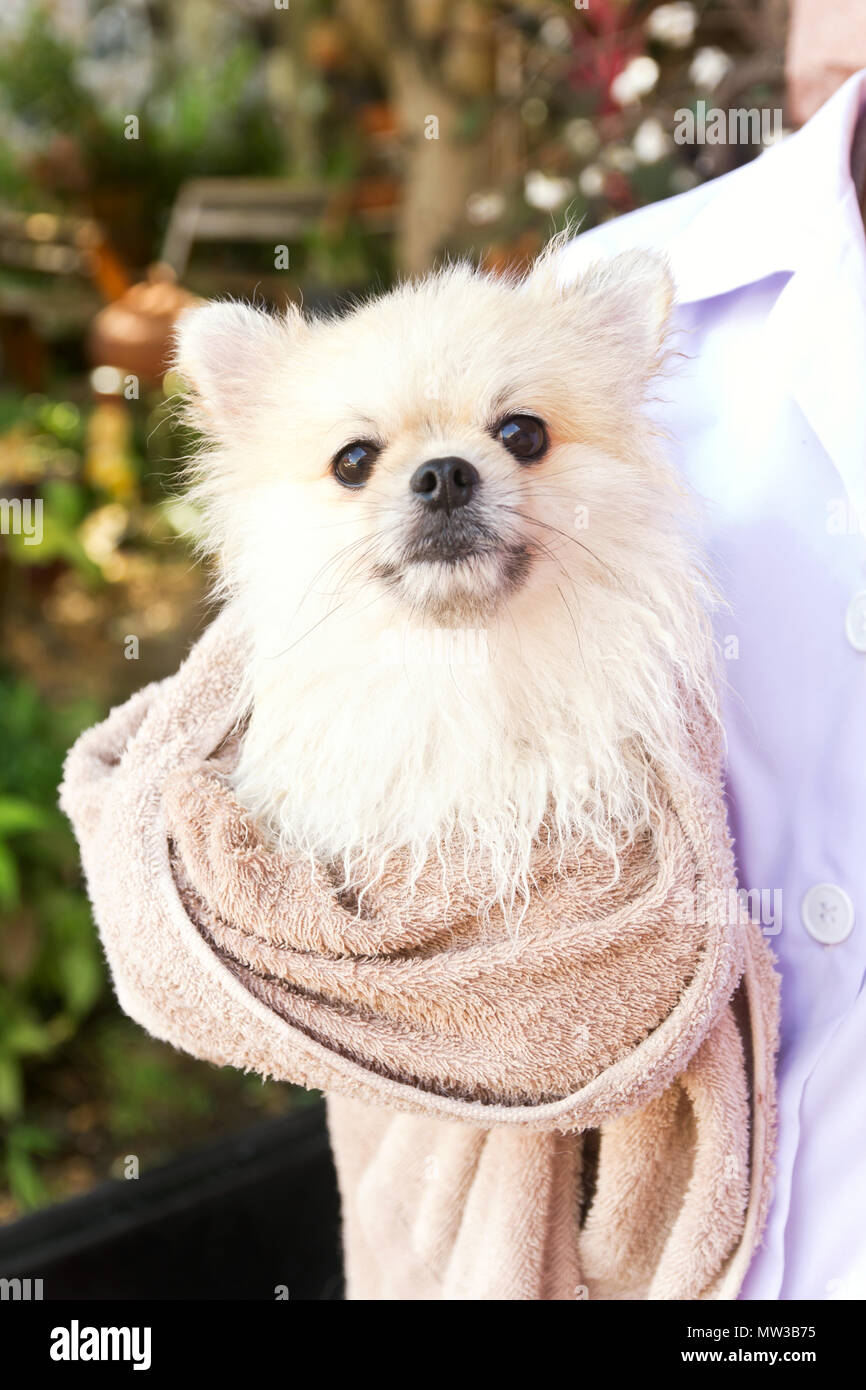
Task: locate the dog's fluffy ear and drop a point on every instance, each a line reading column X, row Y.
column 627, row 299
column 223, row 352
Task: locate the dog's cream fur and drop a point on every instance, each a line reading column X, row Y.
column 447, row 700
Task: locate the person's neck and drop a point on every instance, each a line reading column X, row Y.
column 858, row 161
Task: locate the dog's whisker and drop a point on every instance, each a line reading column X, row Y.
column 324, row 618
column 573, row 540
column 366, row 541
column 570, row 580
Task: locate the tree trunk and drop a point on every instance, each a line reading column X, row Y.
column 437, row 60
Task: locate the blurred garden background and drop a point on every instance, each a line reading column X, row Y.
column 156, row 150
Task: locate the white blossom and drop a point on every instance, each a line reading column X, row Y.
column 556, row 32
column 674, row 24
column 591, row 181
column 580, row 136
column 708, row 67
column 620, row 157
column 636, row 79
column 546, row 193
column 683, row 179
column 485, row 207
column 651, row 142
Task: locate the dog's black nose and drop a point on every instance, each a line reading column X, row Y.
column 444, row 483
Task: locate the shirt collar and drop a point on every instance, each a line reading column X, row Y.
column 776, row 213
column 793, row 210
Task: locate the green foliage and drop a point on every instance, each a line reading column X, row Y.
column 64, row 509
column 198, row 119
column 48, row 445
column 148, row 1091
column 39, row 79
column 51, row 971
column 24, row 1144
column 59, row 422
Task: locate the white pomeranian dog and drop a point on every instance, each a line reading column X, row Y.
column 463, row 565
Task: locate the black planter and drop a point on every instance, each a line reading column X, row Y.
column 243, row 1218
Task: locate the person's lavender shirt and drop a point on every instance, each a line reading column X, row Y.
column 767, row 412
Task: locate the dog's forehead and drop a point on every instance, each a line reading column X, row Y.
column 451, row 347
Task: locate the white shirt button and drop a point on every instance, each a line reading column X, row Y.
column 855, row 621
column 828, row 913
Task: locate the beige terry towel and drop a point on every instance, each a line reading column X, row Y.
column 580, row 1109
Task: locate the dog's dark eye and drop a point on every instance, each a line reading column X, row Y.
column 523, row 436
column 354, row 464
